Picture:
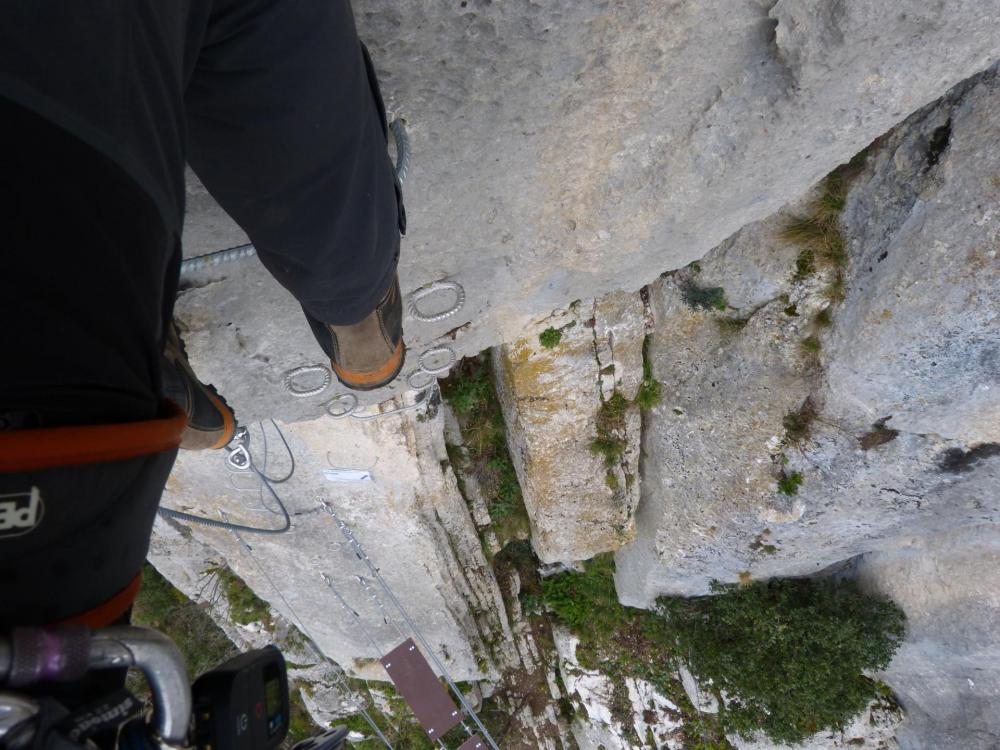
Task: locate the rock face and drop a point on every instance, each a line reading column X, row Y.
column 578, row 505
column 570, row 149
column 563, row 150
column 409, row 517
column 945, row 673
column 898, row 435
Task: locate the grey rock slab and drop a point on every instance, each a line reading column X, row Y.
column 564, row 150
column 946, row 672
column 919, row 340
column 711, row 447
column 911, row 341
column 410, row 520
column 550, row 398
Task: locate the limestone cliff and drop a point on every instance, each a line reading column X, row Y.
column 833, row 412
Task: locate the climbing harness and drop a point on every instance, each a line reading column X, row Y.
column 432, row 289
column 300, row 392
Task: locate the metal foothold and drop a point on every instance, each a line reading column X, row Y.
column 295, row 372
column 431, row 289
column 342, row 405
column 441, row 369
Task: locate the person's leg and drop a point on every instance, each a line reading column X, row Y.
column 287, row 131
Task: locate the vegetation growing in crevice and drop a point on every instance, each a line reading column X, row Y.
column 789, row 483
column 818, row 233
column 245, row 607
column 822, row 245
column 878, row 435
column 791, row 653
column 703, row 297
column 471, row 394
column 788, row 654
column 610, row 441
column 202, row 643
column 798, row 423
column 650, row 389
column 550, row 337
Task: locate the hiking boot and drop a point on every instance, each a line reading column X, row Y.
column 369, row 354
column 211, row 423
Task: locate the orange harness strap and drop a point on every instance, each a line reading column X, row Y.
column 29, row 450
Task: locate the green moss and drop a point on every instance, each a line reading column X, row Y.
column 729, row 326
column 824, row 318
column 789, row 483
column 704, row 298
column 650, row 390
column 550, row 338
column 811, row 344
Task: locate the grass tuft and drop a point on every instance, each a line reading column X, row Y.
column 704, row 298
column 811, row 344
column 470, row 392
column 650, row 390
column 789, row 484
column 798, row 423
column 818, row 234
column 550, row 338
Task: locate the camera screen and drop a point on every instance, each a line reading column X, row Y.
column 273, row 702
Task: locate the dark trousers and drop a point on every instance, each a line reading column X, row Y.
column 272, row 102
column 275, row 105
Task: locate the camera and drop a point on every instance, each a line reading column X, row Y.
column 242, row 704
